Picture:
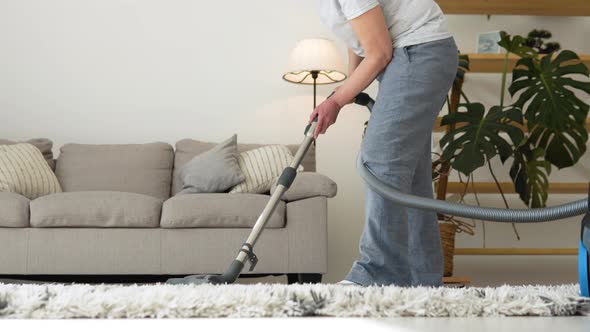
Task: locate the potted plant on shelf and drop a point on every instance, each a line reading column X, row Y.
column 544, row 128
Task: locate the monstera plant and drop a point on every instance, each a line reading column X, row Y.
column 544, row 128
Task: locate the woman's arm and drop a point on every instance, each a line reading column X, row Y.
column 353, row 61
column 371, row 30
column 373, row 34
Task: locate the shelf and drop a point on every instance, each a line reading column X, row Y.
column 508, row 188
column 516, row 251
column 517, row 7
column 494, row 63
column 438, row 128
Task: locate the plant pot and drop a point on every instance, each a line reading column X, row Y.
column 447, row 236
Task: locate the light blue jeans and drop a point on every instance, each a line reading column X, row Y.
column 401, row 246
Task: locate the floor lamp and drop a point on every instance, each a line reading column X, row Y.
column 313, row 62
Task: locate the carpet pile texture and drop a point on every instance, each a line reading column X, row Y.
column 56, row 301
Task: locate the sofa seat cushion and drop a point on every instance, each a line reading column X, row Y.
column 219, row 211
column 109, row 209
column 14, row 210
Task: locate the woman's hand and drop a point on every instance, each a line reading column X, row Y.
column 327, row 113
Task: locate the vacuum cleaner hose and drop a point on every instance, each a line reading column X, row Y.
column 483, row 213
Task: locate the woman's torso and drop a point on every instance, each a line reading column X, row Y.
column 410, row 22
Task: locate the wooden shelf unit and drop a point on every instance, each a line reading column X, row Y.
column 508, row 188
column 516, row 7
column 516, row 251
column 494, row 63
column 439, row 129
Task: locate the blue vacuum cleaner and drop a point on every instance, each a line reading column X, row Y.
column 246, row 252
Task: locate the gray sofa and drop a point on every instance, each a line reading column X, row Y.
column 118, row 215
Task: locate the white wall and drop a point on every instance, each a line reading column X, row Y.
column 121, row 71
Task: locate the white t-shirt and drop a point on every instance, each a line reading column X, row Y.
column 410, row 22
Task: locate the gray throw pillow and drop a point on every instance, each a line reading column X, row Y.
column 213, row 171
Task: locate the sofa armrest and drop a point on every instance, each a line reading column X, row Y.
column 307, row 185
column 307, row 229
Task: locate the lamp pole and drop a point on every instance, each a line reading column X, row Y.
column 314, row 75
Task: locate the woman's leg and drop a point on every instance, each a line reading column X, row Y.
column 411, row 91
column 424, row 244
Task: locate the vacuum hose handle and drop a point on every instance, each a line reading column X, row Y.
column 364, row 99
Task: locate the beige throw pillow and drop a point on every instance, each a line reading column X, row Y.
column 262, row 167
column 23, row 170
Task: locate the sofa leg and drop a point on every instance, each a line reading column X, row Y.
column 304, row 278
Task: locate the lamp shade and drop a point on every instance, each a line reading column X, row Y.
column 315, row 56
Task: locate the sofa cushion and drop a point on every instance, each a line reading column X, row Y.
column 186, row 149
column 262, row 168
column 23, row 171
column 43, row 144
column 308, row 184
column 219, row 211
column 213, row 171
column 96, row 209
column 137, row 168
column 14, row 210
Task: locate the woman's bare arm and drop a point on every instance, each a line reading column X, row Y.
column 372, row 32
column 353, row 61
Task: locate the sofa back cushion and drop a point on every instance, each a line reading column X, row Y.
column 136, row 168
column 186, row 149
column 43, row 144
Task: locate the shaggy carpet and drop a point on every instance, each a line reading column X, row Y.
column 275, row 300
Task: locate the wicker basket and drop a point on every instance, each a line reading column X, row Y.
column 447, row 236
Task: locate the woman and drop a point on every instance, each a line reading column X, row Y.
column 406, row 46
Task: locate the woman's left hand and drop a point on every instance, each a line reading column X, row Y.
column 327, row 113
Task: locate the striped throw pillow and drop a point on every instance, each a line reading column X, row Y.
column 262, row 167
column 23, row 170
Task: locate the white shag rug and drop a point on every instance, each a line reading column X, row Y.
column 275, row 300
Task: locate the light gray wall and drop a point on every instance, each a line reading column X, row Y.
column 115, row 71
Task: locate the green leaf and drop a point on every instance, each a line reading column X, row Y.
column 516, row 45
column 563, row 148
column 556, row 116
column 530, row 175
column 478, row 136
